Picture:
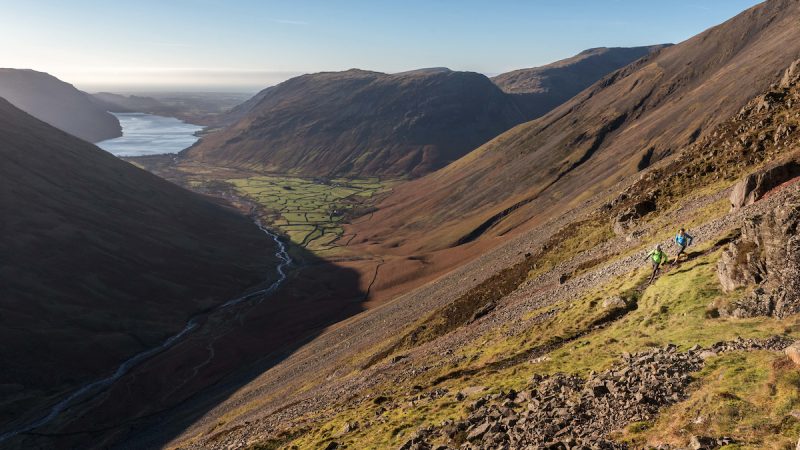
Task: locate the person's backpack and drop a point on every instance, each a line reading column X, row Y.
column 680, row 239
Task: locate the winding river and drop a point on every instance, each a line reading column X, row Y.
column 102, row 384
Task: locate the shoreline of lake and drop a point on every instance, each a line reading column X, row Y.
column 148, row 134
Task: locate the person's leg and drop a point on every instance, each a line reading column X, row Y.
column 677, row 255
column 655, row 270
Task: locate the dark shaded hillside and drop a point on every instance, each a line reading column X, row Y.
column 606, row 134
column 100, row 260
column 540, row 89
column 58, row 103
column 363, row 123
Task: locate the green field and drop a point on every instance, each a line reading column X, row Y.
column 310, row 211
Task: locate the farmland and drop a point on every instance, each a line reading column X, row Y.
column 310, row 211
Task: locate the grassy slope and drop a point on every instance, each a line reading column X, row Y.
column 672, row 310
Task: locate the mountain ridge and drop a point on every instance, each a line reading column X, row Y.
column 640, row 113
column 58, row 103
column 540, row 89
column 366, row 123
column 317, row 124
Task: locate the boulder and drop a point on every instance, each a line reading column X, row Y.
column 614, row 302
column 753, row 186
column 349, row 427
column 793, row 353
column 478, row 431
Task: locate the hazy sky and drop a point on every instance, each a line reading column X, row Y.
column 249, row 44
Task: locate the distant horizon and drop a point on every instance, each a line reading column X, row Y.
column 277, row 78
column 248, row 45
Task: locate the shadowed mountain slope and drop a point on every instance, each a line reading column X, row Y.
column 363, row 123
column 540, row 89
column 100, row 260
column 604, row 135
column 58, row 103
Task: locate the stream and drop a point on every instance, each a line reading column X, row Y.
column 102, row 384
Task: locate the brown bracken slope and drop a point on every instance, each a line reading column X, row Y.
column 604, row 135
column 399, row 125
column 540, row 89
column 100, row 260
column 58, row 103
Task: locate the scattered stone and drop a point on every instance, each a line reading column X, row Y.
column 398, row 358
column 381, row 399
column 478, row 431
column 482, row 311
column 350, row 427
column 702, row 443
column 572, row 412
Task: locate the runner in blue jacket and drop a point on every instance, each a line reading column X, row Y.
column 682, row 240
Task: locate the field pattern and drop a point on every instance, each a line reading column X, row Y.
column 310, row 211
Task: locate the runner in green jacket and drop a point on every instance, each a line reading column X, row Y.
column 658, row 258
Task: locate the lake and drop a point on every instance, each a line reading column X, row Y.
column 147, row 134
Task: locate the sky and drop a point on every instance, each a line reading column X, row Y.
column 246, row 45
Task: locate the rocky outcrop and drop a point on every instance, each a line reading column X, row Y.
column 571, row 412
column 742, row 264
column 767, row 257
column 791, row 75
column 753, row 187
column 627, row 219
